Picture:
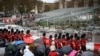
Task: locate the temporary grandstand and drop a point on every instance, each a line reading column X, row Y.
column 73, row 14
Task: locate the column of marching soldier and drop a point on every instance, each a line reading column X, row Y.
column 57, row 45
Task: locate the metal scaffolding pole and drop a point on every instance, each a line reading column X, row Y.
column 66, row 3
column 95, row 3
column 86, row 3
column 75, row 4
column 60, row 4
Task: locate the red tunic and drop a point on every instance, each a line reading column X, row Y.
column 21, row 36
column 63, row 42
column 46, row 41
column 59, row 43
column 4, row 36
column 74, row 44
column 67, row 42
column 83, row 42
column 16, row 36
column 10, row 36
column 53, row 53
column 28, row 35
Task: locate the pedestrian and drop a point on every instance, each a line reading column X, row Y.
column 32, row 48
column 87, row 53
column 52, row 40
column 18, row 52
column 27, row 52
column 53, row 51
column 73, row 53
column 40, row 50
column 10, row 50
column 50, row 37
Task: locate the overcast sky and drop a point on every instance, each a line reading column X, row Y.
column 49, row 1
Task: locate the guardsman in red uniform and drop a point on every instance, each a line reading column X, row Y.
column 21, row 35
column 28, row 34
column 9, row 36
column 55, row 36
column 77, row 41
column 63, row 40
column 15, row 36
column 73, row 43
column 67, row 35
column 5, row 33
column 83, row 42
column 52, row 40
column 46, row 40
column 44, row 36
column 50, row 37
column 67, row 41
column 59, row 43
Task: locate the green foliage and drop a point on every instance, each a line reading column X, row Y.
column 21, row 5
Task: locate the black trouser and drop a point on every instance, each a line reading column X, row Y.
column 83, row 48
